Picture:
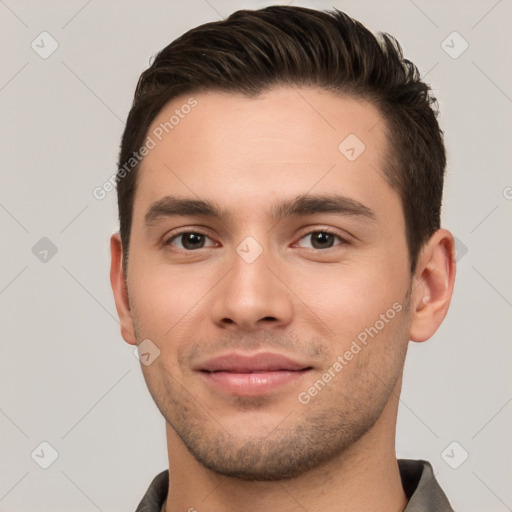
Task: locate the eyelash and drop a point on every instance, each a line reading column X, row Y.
column 175, row 236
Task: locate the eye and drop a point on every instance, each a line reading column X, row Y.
column 321, row 239
column 190, row 241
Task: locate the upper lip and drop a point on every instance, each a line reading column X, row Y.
column 247, row 363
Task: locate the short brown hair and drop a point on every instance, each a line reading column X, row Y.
column 253, row 50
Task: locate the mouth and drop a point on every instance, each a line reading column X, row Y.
column 251, row 375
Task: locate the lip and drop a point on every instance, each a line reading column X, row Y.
column 251, row 374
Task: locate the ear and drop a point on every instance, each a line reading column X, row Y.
column 118, row 282
column 432, row 285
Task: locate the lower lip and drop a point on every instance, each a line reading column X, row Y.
column 251, row 384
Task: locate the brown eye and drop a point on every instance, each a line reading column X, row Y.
column 320, row 240
column 189, row 241
column 192, row 240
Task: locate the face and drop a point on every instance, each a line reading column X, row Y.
column 269, row 266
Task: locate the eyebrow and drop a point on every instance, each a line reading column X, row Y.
column 170, row 206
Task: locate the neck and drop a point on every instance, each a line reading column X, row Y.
column 363, row 478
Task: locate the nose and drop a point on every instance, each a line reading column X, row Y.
column 252, row 295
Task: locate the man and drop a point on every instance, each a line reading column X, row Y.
column 279, row 188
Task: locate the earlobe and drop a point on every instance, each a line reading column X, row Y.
column 120, row 290
column 432, row 285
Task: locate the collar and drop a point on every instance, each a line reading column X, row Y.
column 420, row 486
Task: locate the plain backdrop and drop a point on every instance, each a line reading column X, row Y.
column 67, row 377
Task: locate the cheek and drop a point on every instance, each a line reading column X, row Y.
column 164, row 298
column 349, row 298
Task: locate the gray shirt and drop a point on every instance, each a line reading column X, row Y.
column 418, row 480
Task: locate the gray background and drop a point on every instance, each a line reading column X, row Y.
column 68, row 378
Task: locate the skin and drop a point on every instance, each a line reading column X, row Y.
column 306, row 301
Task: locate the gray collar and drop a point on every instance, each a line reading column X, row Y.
column 418, row 480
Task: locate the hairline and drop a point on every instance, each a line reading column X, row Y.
column 390, row 157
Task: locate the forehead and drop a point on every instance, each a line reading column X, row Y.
column 286, row 141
